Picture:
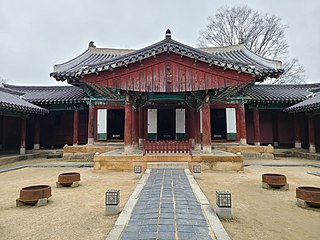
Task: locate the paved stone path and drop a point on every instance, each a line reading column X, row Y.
column 167, row 209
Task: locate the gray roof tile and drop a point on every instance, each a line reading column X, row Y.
column 50, row 94
column 310, row 104
column 278, row 93
column 237, row 58
column 12, row 101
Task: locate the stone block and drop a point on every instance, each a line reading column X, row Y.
column 68, row 156
column 267, row 156
column 197, row 175
column 42, row 202
column 268, row 149
column 267, row 186
column 112, row 210
column 302, row 203
column 223, row 212
column 75, row 184
column 251, row 155
column 137, row 175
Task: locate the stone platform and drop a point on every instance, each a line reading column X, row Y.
column 248, row 151
column 216, row 160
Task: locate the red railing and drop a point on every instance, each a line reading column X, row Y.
column 168, row 146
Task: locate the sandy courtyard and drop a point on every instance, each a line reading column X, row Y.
column 72, row 213
column 265, row 214
column 78, row 213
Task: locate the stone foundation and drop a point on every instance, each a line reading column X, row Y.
column 227, row 162
column 249, row 151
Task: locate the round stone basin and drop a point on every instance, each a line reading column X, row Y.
column 274, row 180
column 68, row 178
column 32, row 194
column 310, row 195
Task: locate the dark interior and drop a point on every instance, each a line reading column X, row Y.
column 115, row 124
column 218, row 124
column 166, row 124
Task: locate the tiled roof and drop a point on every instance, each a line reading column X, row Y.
column 278, row 93
column 310, row 104
column 237, row 58
column 50, row 94
column 12, row 101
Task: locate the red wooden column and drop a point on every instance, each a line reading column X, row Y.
column 206, row 128
column 91, row 124
column 128, row 125
column 36, row 144
column 23, row 135
column 275, row 130
column 196, row 128
column 256, row 126
column 190, row 129
column 297, row 132
column 312, row 146
column 141, row 124
column 135, row 130
column 75, row 127
column 243, row 129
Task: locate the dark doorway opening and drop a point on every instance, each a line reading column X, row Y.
column 218, row 124
column 115, row 124
column 166, row 120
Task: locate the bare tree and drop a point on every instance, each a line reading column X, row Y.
column 261, row 33
column 2, row 80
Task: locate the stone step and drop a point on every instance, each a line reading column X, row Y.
column 172, row 165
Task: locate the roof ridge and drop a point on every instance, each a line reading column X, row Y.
column 37, row 86
column 222, row 49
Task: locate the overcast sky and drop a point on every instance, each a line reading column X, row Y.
column 36, row 34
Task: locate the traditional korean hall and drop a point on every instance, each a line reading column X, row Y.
column 168, row 98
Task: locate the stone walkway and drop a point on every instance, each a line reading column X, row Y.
column 167, row 209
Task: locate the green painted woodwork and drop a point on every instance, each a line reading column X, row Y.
column 152, row 136
column 102, row 136
column 161, row 97
column 231, row 136
column 180, row 136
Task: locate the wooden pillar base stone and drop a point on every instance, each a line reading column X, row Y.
column 297, row 144
column 197, row 146
column 128, row 148
column 206, row 148
column 243, row 141
column 141, row 142
column 90, row 141
column 22, row 150
column 312, row 148
column 36, row 146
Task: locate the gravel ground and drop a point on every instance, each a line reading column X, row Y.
column 71, row 213
column 265, row 214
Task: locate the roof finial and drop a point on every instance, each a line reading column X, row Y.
column 242, row 40
column 168, row 34
column 91, row 44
